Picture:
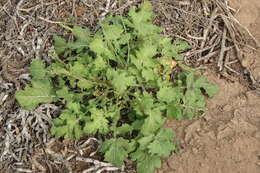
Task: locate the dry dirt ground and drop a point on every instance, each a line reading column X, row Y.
column 227, row 139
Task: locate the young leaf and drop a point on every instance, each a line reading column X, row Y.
column 147, row 50
column 144, row 15
column 174, row 111
column 63, row 92
column 144, row 104
column 37, row 69
column 169, row 49
column 162, row 145
column 210, row 89
column 31, row 97
column 169, row 94
column 115, row 150
column 121, row 80
column 146, row 163
column 82, row 34
column 153, row 122
column 112, row 32
column 180, row 46
column 85, row 84
column 59, row 44
column 100, row 48
column 123, row 129
column 137, row 124
column 98, row 122
column 67, row 125
column 124, row 39
column 145, row 141
column 74, row 107
column 148, row 74
column 190, row 80
column 97, row 46
column 194, row 102
column 100, row 64
column 142, row 20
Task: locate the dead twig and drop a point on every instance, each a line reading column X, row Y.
column 222, row 50
column 208, row 56
column 50, row 21
column 24, row 170
column 232, row 70
column 27, row 10
column 214, row 15
column 95, row 162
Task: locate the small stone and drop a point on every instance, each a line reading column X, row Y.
column 207, row 117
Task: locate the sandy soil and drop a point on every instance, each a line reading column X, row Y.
column 227, row 139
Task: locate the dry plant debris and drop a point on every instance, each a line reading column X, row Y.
column 26, row 27
column 216, row 36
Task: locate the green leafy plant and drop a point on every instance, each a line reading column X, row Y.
column 119, row 82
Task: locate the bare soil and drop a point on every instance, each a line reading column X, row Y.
column 227, row 139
